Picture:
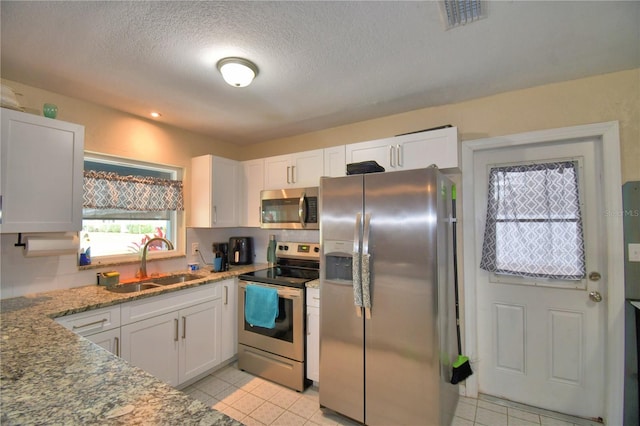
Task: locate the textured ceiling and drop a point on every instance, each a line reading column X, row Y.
column 322, row 64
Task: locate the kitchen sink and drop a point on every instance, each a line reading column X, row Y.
column 173, row 279
column 149, row 283
column 131, row 288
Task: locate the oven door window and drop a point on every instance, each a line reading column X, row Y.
column 283, row 329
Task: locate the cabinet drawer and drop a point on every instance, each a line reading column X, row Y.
column 139, row 310
column 313, row 297
column 91, row 322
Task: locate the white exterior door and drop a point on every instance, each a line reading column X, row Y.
column 542, row 342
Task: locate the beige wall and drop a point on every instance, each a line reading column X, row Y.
column 608, row 97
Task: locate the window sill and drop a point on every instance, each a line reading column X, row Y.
column 102, row 263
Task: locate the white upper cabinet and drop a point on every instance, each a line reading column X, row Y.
column 335, row 161
column 252, row 184
column 41, row 166
column 215, row 192
column 302, row 169
column 413, row 151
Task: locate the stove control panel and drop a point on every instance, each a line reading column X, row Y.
column 298, row 250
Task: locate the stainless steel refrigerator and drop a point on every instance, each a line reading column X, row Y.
column 387, row 311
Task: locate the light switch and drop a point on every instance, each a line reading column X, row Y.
column 634, row 252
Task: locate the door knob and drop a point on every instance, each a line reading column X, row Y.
column 595, row 296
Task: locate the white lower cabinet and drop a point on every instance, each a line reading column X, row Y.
column 153, row 345
column 176, row 336
column 109, row 340
column 229, row 334
column 313, row 334
column 101, row 326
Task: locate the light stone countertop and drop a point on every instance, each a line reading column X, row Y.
column 313, row 284
column 50, row 375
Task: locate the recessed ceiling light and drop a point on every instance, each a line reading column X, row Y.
column 156, row 114
column 237, row 72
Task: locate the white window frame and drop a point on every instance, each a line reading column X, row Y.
column 177, row 217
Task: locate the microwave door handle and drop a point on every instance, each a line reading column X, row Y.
column 302, row 210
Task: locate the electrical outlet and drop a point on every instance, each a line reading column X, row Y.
column 194, row 248
column 634, row 252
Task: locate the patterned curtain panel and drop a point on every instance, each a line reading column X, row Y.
column 534, row 226
column 108, row 190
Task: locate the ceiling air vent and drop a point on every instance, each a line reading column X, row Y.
column 461, row 12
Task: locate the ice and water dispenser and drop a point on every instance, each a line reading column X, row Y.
column 338, row 263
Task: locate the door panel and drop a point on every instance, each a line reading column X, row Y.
column 541, row 342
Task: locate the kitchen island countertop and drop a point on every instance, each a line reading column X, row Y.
column 50, row 375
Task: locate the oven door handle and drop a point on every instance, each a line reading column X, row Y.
column 284, row 292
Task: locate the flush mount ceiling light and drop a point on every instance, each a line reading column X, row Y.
column 237, row 72
column 461, row 12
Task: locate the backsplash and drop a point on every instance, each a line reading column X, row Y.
column 20, row 275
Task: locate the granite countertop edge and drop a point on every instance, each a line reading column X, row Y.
column 52, row 375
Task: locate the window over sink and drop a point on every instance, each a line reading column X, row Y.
column 126, row 203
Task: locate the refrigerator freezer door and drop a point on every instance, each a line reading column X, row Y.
column 341, row 328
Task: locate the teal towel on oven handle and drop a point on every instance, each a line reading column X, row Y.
column 261, row 306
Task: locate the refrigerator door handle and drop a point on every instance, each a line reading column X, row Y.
column 355, row 267
column 366, row 272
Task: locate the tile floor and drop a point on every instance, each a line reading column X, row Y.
column 256, row 402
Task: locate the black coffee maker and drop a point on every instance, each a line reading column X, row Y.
column 221, row 251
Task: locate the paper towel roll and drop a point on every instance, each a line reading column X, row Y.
column 51, row 246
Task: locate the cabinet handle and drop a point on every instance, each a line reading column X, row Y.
column 103, row 320
column 399, row 155
column 308, row 321
column 226, row 295
column 293, row 174
column 215, row 214
column 184, row 327
column 392, row 162
column 175, row 338
column 288, row 171
column 116, row 341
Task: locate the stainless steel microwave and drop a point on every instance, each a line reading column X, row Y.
column 295, row 208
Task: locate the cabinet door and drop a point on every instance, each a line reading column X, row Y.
column 335, row 163
column 229, row 345
column 226, row 193
column 252, row 184
column 313, row 343
column 41, row 163
column 277, row 172
column 439, row 147
column 378, row 150
column 215, row 187
column 199, row 339
column 153, row 345
column 109, row 340
column 307, row 168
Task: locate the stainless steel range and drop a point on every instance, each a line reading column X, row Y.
column 278, row 353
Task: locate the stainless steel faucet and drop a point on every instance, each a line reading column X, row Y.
column 143, row 261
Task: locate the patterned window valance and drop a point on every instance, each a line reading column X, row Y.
column 108, row 190
column 534, row 224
